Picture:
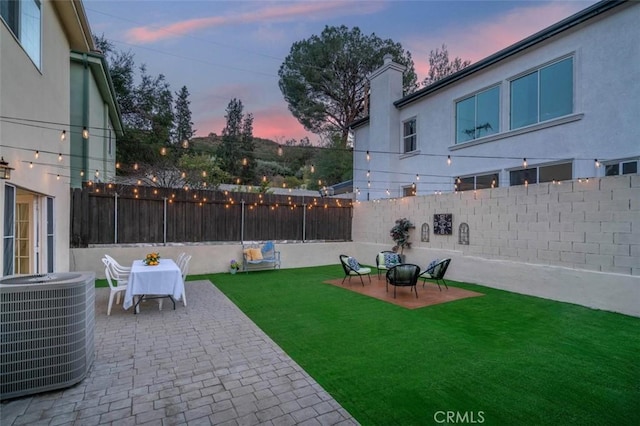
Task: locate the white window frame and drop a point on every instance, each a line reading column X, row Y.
column 21, row 37
column 412, row 135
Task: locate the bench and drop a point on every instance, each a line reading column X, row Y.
column 256, row 256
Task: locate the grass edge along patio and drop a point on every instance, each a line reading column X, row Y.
column 509, row 358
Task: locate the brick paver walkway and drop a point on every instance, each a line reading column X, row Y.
column 203, row 364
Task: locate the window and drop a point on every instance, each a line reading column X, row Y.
column 50, row 235
column 9, row 230
column 409, row 191
column 621, row 168
column 551, row 173
column 478, row 115
column 544, row 94
column 23, row 19
column 470, row 183
column 409, row 135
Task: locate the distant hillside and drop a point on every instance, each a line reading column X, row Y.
column 266, row 149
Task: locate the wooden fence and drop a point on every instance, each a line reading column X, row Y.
column 124, row 214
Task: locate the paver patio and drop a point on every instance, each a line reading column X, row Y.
column 203, row 364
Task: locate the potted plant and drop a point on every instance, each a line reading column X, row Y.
column 400, row 235
column 234, row 266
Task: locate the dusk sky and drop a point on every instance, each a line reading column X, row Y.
column 233, row 49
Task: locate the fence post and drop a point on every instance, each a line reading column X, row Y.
column 242, row 223
column 164, row 222
column 115, row 215
column 304, row 222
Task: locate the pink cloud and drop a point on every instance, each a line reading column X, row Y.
column 285, row 13
column 483, row 39
column 273, row 123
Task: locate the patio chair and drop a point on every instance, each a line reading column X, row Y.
column 115, row 289
column 387, row 259
column 352, row 268
column 436, row 272
column 184, row 270
column 403, row 275
column 118, row 266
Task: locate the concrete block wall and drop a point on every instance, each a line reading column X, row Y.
column 592, row 225
column 576, row 242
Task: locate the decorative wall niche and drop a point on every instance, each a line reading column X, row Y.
column 463, row 234
column 424, row 233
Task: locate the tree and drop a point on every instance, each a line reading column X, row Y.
column 183, row 125
column 334, row 164
column 236, row 150
column 324, row 78
column 440, row 66
column 202, row 171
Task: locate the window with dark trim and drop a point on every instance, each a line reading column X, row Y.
column 409, row 136
column 24, row 20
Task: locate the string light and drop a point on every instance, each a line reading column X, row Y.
column 280, row 152
column 31, row 164
column 97, row 173
column 368, row 156
column 60, row 157
column 313, row 168
column 37, row 154
column 163, row 151
column 448, row 160
column 85, row 133
column 63, row 136
column 81, row 173
column 524, row 163
column 597, row 163
column 417, row 176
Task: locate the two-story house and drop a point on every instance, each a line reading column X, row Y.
column 559, row 105
column 58, row 128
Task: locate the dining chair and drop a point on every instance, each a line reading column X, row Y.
column 184, row 270
column 117, row 265
column 180, row 258
column 115, row 289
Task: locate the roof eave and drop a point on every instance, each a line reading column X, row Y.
column 514, row 49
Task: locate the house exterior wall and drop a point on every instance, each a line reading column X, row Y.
column 603, row 124
column 36, row 106
column 42, row 95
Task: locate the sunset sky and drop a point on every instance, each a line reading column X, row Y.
column 233, row 49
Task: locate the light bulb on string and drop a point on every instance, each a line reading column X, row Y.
column 60, row 157
column 448, row 160
column 37, row 154
column 313, row 168
column 417, row 176
column 597, row 163
column 31, row 164
column 85, row 133
column 81, row 173
column 97, row 173
column 63, row 136
column 163, row 151
column 280, row 152
column 368, row 156
column 524, row 163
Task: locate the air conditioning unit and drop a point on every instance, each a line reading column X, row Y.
column 46, row 331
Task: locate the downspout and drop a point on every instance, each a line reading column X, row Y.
column 85, row 116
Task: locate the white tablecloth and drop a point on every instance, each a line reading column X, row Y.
column 164, row 278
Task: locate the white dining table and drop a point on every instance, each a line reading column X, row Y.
column 162, row 280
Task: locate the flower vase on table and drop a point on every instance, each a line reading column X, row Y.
column 152, row 259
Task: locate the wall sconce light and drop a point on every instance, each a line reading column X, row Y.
column 5, row 170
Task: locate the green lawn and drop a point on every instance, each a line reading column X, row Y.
column 501, row 359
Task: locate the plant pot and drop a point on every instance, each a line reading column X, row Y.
column 232, row 271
